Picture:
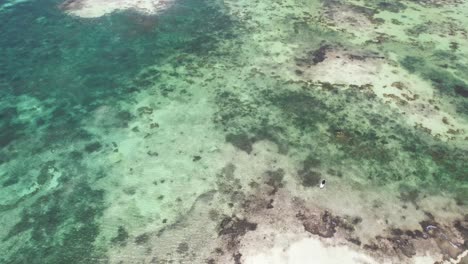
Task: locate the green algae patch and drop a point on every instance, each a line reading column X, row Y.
column 73, row 70
column 11, row 128
column 385, row 150
column 62, row 223
column 121, row 237
column 449, row 86
column 445, row 82
column 412, row 64
column 241, row 141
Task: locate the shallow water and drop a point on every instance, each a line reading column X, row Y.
column 201, row 133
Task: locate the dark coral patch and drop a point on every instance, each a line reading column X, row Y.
column 12, row 129
column 121, row 237
column 308, row 175
column 461, row 90
column 412, row 64
column 409, row 194
column 309, row 178
column 234, row 228
column 241, row 141
column 314, row 57
column 462, row 227
column 391, row 6
column 142, row 239
column 11, row 180
column 66, row 216
column 237, row 258
column 93, row 147
column 354, row 240
column 325, row 226
column 182, row 248
column 274, row 179
column 405, row 246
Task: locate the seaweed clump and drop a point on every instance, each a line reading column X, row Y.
column 391, row 6
column 241, row 141
column 142, row 239
column 274, row 179
column 314, row 57
column 326, row 225
column 11, row 128
column 121, row 237
column 309, row 175
column 344, row 127
column 62, row 227
column 93, row 147
column 234, row 228
column 447, row 84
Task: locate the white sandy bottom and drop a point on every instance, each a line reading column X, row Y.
column 312, row 250
column 308, row 251
column 98, row 8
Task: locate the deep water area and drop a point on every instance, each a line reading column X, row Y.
column 200, row 133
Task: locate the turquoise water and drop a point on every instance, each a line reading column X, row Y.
column 124, row 136
column 62, row 68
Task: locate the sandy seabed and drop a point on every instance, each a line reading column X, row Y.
column 222, row 157
column 93, row 8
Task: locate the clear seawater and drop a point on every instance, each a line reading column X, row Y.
column 191, row 135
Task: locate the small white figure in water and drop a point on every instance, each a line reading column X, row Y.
column 322, row 184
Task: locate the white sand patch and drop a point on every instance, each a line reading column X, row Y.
column 97, row 8
column 350, row 71
column 309, row 250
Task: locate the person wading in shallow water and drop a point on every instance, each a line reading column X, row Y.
column 322, row 184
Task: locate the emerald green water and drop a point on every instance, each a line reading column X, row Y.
column 115, row 130
column 69, row 67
